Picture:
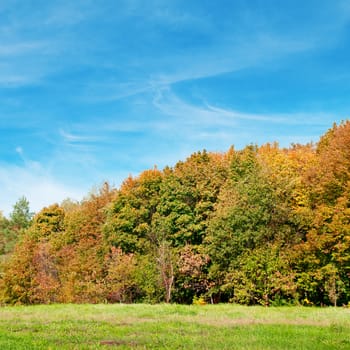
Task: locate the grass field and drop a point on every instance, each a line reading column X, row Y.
column 173, row 327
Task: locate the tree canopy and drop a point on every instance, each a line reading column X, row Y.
column 262, row 225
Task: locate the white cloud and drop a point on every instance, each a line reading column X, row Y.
column 19, row 150
column 21, row 48
column 68, row 13
column 32, row 181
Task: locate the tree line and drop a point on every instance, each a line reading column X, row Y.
column 261, row 225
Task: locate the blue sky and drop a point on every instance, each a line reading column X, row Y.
column 97, row 90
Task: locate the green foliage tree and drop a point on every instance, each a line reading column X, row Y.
column 128, row 224
column 263, row 276
column 21, row 216
column 253, row 213
column 187, row 197
column 11, row 229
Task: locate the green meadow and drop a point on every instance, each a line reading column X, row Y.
column 141, row 326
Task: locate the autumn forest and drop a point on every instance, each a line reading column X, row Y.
column 261, row 225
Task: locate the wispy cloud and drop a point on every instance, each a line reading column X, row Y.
column 24, row 63
column 208, row 115
column 34, row 43
column 72, row 138
column 227, row 55
column 21, row 48
column 104, row 91
column 220, row 127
